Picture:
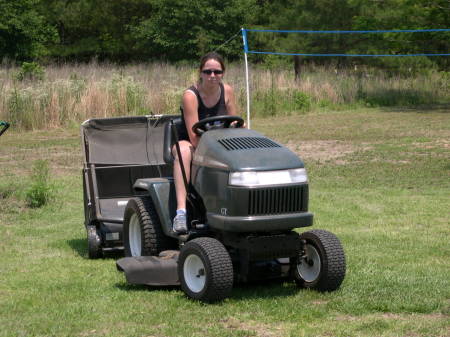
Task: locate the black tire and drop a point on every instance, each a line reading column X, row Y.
column 205, row 270
column 94, row 243
column 142, row 231
column 321, row 264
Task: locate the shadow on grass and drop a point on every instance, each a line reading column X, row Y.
column 143, row 287
column 420, row 108
column 264, row 289
column 80, row 247
column 243, row 291
column 399, row 97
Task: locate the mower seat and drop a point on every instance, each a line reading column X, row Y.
column 168, row 139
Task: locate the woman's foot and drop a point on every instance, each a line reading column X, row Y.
column 179, row 222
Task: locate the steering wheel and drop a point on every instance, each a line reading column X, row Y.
column 217, row 122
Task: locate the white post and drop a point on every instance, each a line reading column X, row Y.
column 248, row 90
column 247, row 86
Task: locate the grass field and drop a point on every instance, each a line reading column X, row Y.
column 379, row 179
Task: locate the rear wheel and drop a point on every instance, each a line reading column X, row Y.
column 94, row 242
column 142, row 230
column 321, row 264
column 205, row 270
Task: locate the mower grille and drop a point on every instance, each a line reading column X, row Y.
column 278, row 200
column 244, row 143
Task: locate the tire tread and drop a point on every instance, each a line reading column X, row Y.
column 334, row 264
column 154, row 239
column 219, row 262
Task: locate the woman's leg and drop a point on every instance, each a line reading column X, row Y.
column 186, row 150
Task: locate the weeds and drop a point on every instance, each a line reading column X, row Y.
column 70, row 94
column 41, row 191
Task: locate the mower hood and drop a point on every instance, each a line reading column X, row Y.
column 243, row 150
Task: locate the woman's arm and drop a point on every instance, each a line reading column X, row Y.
column 190, row 111
column 230, row 100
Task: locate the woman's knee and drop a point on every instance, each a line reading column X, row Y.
column 186, row 150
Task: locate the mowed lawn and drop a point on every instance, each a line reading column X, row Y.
column 379, row 179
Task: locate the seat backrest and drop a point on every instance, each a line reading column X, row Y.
column 169, row 140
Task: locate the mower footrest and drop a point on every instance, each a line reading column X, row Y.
column 151, row 270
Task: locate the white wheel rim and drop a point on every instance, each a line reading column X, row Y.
column 310, row 265
column 194, row 273
column 134, row 234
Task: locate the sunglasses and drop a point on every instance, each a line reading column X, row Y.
column 210, row 71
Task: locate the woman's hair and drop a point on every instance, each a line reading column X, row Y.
column 212, row 56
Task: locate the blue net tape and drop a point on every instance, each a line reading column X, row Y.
column 246, row 50
column 349, row 31
column 349, row 55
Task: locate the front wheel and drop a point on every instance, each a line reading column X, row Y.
column 321, row 263
column 205, row 270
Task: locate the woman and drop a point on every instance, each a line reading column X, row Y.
column 207, row 98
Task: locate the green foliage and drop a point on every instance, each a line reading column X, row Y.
column 280, row 102
column 40, row 191
column 301, row 100
column 275, row 62
column 124, row 30
column 24, row 32
column 96, row 29
column 192, row 28
column 356, row 15
column 31, row 71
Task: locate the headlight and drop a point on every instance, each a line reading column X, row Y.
column 265, row 178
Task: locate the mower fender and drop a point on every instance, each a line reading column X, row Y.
column 163, row 195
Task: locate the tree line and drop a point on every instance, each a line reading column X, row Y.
column 179, row 30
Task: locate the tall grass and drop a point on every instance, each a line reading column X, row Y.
column 68, row 94
column 40, row 191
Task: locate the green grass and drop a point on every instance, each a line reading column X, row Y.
column 379, row 180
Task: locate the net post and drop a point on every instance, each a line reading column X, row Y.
column 247, row 86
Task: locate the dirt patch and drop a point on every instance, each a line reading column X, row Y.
column 253, row 328
column 323, row 150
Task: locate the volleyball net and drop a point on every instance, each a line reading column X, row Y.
column 321, row 40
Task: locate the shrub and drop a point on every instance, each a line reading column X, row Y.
column 31, row 71
column 40, row 192
column 301, row 101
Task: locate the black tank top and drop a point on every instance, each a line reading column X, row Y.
column 203, row 111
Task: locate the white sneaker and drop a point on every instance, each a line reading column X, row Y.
column 179, row 223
